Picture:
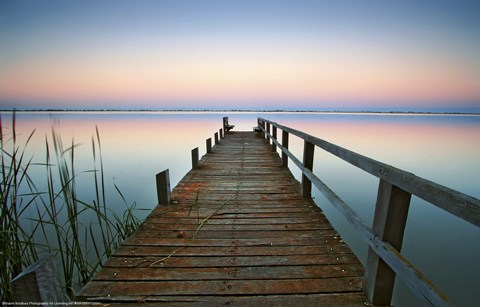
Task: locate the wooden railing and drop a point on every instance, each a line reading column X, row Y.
column 385, row 237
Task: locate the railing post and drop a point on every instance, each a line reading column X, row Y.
column 274, row 136
column 263, row 125
column 389, row 221
column 308, row 150
column 194, row 158
column 268, row 131
column 221, row 133
column 163, row 187
column 38, row 283
column 209, row 145
column 285, row 145
column 216, row 138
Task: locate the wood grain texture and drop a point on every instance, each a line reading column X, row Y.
column 391, row 211
column 461, row 205
column 237, row 231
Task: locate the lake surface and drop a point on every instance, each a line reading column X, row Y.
column 441, row 148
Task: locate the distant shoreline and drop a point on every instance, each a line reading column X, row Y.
column 242, row 111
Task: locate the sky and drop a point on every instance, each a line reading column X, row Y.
column 227, row 54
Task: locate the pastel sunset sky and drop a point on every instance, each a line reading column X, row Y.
column 297, row 54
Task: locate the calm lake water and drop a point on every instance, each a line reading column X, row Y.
column 442, row 148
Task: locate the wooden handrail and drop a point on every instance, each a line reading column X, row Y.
column 461, row 205
column 385, row 238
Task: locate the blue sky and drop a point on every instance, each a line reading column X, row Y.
column 240, row 54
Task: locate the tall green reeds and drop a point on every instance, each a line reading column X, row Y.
column 17, row 246
column 66, row 224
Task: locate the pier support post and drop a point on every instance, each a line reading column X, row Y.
column 163, row 187
column 38, row 283
column 268, row 133
column 216, row 138
column 221, row 133
column 274, row 136
column 389, row 221
column 194, row 158
column 261, row 123
column 209, row 145
column 308, row 150
column 285, row 145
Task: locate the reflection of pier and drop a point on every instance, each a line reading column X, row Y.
column 239, row 229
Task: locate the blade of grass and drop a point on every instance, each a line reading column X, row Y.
column 199, row 227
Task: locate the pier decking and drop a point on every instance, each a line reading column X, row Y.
column 237, row 231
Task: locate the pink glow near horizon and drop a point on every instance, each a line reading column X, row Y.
column 251, row 59
column 414, row 143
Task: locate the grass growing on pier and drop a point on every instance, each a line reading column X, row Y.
column 37, row 221
column 199, row 223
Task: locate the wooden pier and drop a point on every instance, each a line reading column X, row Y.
column 240, row 230
column 236, row 231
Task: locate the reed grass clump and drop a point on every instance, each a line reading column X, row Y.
column 55, row 219
column 17, row 245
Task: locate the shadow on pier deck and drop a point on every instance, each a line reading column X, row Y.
column 237, row 231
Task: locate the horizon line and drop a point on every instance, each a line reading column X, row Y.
column 238, row 111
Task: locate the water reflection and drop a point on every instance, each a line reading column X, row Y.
column 444, row 149
column 135, row 146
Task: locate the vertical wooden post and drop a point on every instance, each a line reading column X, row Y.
column 268, row 131
column 264, row 126
column 221, row 133
column 225, row 124
column 194, row 158
column 389, row 221
column 163, row 187
column 308, row 150
column 209, row 145
column 284, row 144
column 261, row 123
column 274, row 135
column 216, row 138
column 38, row 283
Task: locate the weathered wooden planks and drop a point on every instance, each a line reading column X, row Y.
column 237, row 231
